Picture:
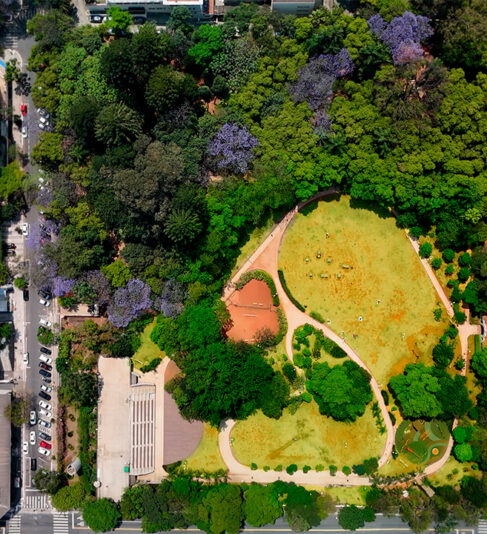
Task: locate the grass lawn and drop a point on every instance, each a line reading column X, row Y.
column 383, row 283
column 207, row 456
column 452, row 472
column 148, row 350
column 306, row 438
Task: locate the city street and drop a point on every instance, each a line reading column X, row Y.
column 72, row 523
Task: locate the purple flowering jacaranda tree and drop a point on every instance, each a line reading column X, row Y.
column 129, row 302
column 233, row 148
column 402, row 35
column 62, row 286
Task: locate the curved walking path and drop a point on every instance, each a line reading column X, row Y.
column 266, row 258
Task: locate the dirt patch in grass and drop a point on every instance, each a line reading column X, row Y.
column 366, row 281
column 148, row 350
column 251, row 310
column 207, row 456
column 71, row 441
column 306, row 438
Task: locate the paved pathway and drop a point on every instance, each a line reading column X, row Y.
column 266, row 258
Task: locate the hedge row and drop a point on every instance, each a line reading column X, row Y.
column 259, row 275
column 332, row 348
column 298, row 305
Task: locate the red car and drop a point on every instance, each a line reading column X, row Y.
column 45, row 445
column 23, row 109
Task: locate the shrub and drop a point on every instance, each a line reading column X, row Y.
column 266, row 468
column 319, row 468
column 289, row 372
column 464, row 274
column 459, row 317
column 291, row 469
column 425, row 250
column 460, row 434
column 346, row 470
column 45, row 336
column 358, row 469
column 259, row 275
column 393, row 418
column 463, row 452
column 151, row 366
column 253, row 467
column 459, row 364
column 448, row 255
column 278, row 468
column 317, row 316
column 449, row 270
column 306, row 468
column 369, row 514
column 452, row 331
column 288, row 292
column 307, row 397
column 302, row 361
column 385, row 396
column 437, row 313
column 333, row 470
column 465, row 260
column 442, row 355
column 415, row 232
column 436, row 263
column 20, row 282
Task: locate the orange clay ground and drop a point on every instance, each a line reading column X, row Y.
column 251, row 311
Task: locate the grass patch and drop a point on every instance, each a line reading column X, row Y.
column 452, row 472
column 353, row 495
column 306, row 438
column 207, row 456
column 366, row 281
column 148, row 350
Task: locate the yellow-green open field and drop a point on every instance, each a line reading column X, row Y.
column 384, row 284
column 306, row 438
column 148, row 350
column 207, row 456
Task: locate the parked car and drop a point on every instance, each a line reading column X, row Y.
column 45, row 413
column 33, row 464
column 11, row 252
column 45, row 373
column 139, row 20
column 47, row 389
column 10, row 245
column 32, row 437
column 42, row 126
column 17, row 482
column 45, row 366
column 45, row 303
column 45, row 445
column 96, row 19
column 25, row 447
column 23, row 109
column 32, row 417
column 44, row 120
column 43, row 451
column 46, row 351
column 25, row 229
column 45, row 322
column 45, row 396
column 46, row 380
column 25, row 359
column 45, row 359
column 43, row 435
column 24, row 131
column 43, row 112
column 45, row 424
column 26, row 295
column 44, row 294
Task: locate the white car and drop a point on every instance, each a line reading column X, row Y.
column 45, row 322
column 42, row 126
column 45, row 388
column 33, row 418
column 25, row 229
column 45, row 359
column 32, row 437
column 25, row 447
column 45, row 405
column 26, row 358
column 45, row 424
column 44, row 120
column 24, row 131
column 45, row 413
column 45, row 303
column 44, row 451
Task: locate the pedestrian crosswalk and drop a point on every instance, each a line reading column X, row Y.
column 37, row 502
column 13, row 525
column 483, row 526
column 60, row 523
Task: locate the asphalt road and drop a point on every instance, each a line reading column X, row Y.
column 72, row 523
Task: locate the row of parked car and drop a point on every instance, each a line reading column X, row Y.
column 98, row 19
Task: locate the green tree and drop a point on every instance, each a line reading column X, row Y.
column 209, row 42
column 351, row 518
column 132, row 503
column 341, row 392
column 464, row 274
column 101, row 515
column 10, row 179
column 167, row 88
column 48, row 481
column 20, row 282
column 448, row 255
column 261, row 505
column 275, row 397
column 118, row 21
column 17, row 412
column 221, row 510
column 117, row 124
column 479, row 364
column 443, row 354
column 463, row 452
column 48, row 151
column 82, row 114
column 180, row 19
column 182, row 226
column 436, row 263
column 425, row 250
column 304, row 509
column 69, row 497
column 117, row 273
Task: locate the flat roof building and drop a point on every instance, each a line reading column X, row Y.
column 300, row 8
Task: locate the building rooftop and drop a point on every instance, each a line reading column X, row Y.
column 3, row 300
